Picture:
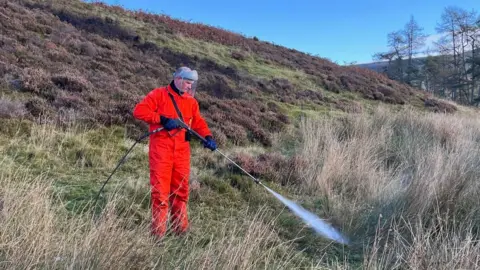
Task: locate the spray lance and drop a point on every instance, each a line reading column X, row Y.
column 319, row 225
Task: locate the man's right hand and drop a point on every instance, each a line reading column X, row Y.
column 169, row 123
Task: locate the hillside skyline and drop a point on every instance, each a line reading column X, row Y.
column 363, row 26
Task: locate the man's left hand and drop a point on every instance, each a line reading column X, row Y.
column 210, row 143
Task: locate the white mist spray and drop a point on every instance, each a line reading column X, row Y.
column 311, row 219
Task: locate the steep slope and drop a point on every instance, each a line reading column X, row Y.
column 95, row 61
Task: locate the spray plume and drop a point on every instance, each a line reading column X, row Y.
column 311, row 219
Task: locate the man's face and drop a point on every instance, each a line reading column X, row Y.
column 187, row 85
column 184, row 85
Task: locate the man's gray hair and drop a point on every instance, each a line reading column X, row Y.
column 186, row 73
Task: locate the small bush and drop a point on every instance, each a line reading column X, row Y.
column 35, row 80
column 283, row 118
column 349, row 106
column 11, row 108
column 247, row 162
column 390, row 94
column 219, row 137
column 240, row 56
column 271, row 167
column 272, row 123
column 310, row 95
column 281, row 83
column 278, row 168
column 378, row 96
column 386, row 90
column 71, row 82
column 37, row 107
column 70, row 102
column 88, row 49
column 236, row 133
column 439, row 106
column 331, row 86
column 262, row 136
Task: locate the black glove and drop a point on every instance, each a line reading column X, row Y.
column 210, row 143
column 169, row 123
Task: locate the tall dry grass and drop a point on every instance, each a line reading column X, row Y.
column 37, row 233
column 405, row 185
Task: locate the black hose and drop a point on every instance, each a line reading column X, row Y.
column 123, row 159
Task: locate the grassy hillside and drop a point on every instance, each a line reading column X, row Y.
column 60, row 57
column 372, row 156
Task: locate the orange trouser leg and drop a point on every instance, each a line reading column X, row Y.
column 179, row 189
column 161, row 166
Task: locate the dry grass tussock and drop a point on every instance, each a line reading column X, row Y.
column 408, row 181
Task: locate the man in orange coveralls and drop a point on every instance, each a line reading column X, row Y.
column 169, row 149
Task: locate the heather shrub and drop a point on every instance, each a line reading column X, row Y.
column 36, row 80
column 219, row 136
column 349, row 106
column 38, row 107
column 71, row 82
column 235, row 133
column 271, row 166
column 238, row 55
column 69, row 101
column 439, row 106
column 391, row 95
column 11, row 108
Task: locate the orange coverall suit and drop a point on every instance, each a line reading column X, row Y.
column 169, row 155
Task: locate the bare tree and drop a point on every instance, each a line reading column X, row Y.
column 471, row 30
column 403, row 45
column 455, row 73
column 397, row 51
column 451, row 44
column 414, row 40
column 461, row 42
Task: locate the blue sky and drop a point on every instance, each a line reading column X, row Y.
column 342, row 30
